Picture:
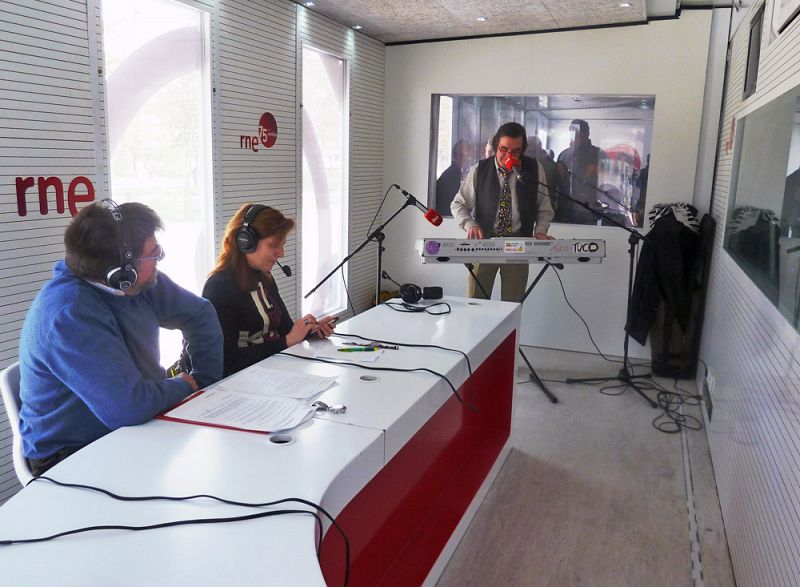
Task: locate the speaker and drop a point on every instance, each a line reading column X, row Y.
column 124, row 276
column 247, row 237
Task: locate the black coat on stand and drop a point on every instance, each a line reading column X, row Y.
column 668, row 271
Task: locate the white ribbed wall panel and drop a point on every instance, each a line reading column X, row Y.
column 254, row 72
column 365, row 58
column 47, row 128
column 52, row 122
column 754, row 354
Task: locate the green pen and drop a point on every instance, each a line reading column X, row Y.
column 357, row 349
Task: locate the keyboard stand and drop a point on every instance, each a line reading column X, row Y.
column 534, row 376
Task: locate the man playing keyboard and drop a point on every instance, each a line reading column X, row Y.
column 492, row 202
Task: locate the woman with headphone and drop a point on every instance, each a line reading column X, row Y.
column 255, row 322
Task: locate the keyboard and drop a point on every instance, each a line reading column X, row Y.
column 512, row 250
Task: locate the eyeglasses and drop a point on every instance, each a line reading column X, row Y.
column 505, row 151
column 158, row 256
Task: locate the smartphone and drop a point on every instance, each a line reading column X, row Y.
column 331, row 323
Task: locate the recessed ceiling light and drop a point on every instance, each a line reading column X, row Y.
column 357, row 27
column 625, row 5
column 308, row 4
column 481, row 19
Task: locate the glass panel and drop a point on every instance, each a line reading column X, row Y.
column 324, row 238
column 606, row 165
column 159, row 130
column 762, row 233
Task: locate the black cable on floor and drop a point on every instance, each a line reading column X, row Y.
column 588, row 330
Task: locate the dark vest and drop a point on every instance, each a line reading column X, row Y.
column 487, row 196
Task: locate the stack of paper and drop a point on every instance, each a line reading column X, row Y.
column 257, row 399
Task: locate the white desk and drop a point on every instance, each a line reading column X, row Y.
column 399, row 470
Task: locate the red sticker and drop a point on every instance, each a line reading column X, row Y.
column 267, row 130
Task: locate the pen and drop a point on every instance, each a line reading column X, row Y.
column 373, row 345
column 356, row 349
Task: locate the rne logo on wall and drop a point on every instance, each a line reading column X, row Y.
column 46, row 183
column 267, row 134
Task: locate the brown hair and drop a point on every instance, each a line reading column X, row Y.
column 92, row 239
column 513, row 130
column 267, row 223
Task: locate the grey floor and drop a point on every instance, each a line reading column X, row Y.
column 591, row 494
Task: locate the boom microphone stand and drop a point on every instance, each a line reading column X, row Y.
column 624, row 376
column 378, row 236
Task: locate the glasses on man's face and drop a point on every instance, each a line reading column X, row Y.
column 505, row 151
column 158, row 255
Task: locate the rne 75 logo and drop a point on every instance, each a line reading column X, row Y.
column 267, row 134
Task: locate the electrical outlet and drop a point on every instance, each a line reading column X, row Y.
column 708, row 388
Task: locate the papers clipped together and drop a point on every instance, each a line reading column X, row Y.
column 257, row 399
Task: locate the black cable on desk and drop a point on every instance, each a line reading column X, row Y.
column 407, row 308
column 410, row 345
column 119, row 497
column 393, row 369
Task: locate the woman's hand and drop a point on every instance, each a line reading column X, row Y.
column 325, row 326
column 299, row 332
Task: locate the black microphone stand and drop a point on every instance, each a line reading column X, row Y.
column 625, row 375
column 378, row 236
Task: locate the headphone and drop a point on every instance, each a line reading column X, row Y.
column 124, row 276
column 411, row 293
column 247, row 237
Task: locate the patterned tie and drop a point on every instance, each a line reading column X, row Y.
column 504, row 207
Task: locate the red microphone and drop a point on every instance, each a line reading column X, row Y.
column 512, row 164
column 431, row 215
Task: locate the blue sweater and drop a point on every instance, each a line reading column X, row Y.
column 89, row 360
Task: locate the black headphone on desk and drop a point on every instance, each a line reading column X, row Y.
column 247, row 237
column 124, row 276
column 411, row 293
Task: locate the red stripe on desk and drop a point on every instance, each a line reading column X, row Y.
column 402, row 519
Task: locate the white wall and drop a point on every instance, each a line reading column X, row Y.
column 665, row 58
column 754, row 355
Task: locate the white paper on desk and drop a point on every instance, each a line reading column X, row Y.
column 219, row 407
column 262, row 380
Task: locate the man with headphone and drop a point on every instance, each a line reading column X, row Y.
column 89, row 351
column 494, row 202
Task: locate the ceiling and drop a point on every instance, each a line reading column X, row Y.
column 403, row 21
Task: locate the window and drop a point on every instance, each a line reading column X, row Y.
column 762, row 233
column 607, row 166
column 159, row 130
column 753, row 54
column 325, row 165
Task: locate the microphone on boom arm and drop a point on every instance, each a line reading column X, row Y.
column 431, row 215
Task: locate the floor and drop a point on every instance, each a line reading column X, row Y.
column 591, row 494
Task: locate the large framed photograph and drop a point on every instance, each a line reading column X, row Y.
column 595, row 149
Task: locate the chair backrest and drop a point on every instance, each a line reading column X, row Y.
column 9, row 385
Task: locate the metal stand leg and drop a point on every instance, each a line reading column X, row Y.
column 624, row 376
column 534, row 376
